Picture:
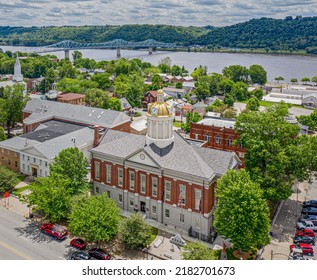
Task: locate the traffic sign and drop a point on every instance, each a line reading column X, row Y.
column 6, row 194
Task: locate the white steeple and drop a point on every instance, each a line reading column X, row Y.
column 160, row 118
column 17, row 76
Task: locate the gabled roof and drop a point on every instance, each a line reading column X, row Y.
column 43, row 109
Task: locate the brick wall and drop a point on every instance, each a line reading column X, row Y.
column 125, row 127
column 207, row 194
column 10, row 159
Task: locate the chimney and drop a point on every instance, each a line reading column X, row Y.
column 96, row 136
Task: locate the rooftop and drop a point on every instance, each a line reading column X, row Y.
column 70, row 96
column 219, row 122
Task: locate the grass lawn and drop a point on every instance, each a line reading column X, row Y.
column 20, row 190
column 21, row 177
column 177, row 124
column 154, row 232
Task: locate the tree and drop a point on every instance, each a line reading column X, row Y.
column 77, row 55
column 236, row 73
column 114, row 104
column 310, row 120
column 2, row 134
column 258, row 74
column 8, row 179
column 215, row 80
column 71, row 165
column 197, row 251
column 278, row 79
column 225, row 86
column 266, row 136
column 314, row 79
column 52, row 197
column 241, row 213
column 253, row 104
column 230, row 113
column 179, row 85
column 229, row 99
column 305, row 79
column 258, row 93
column 103, row 80
column 94, row 218
column 12, row 102
column 294, row 80
column 49, row 79
column 190, row 117
column 240, row 91
column 66, row 69
column 97, row 98
column 135, row 232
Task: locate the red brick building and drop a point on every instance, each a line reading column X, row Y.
column 149, row 97
column 218, row 133
column 71, row 98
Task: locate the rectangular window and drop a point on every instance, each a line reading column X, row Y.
column 167, row 191
column 8, row 152
column 2, row 150
column 40, row 162
column 97, row 189
column 131, row 179
column 45, row 163
column 2, row 160
column 120, row 198
column 120, row 177
column 167, row 213
column 23, row 166
column 197, row 223
column 229, row 142
column 28, row 158
column 131, row 202
column 16, row 164
column 28, row 168
column 41, row 172
column 143, row 183
column 34, row 160
column 109, row 194
column 207, row 137
column 97, row 170
column 218, row 139
column 196, row 136
column 154, row 186
column 23, row 156
column 181, row 218
column 108, row 173
column 182, row 190
column 197, row 199
column 154, row 209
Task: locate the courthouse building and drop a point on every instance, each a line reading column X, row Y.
column 160, row 174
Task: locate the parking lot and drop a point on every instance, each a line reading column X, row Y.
column 284, row 227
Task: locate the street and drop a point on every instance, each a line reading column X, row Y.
column 22, row 240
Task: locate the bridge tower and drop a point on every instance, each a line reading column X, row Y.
column 118, row 52
column 150, row 50
column 66, row 54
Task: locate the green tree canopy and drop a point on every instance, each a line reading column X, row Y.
column 97, row 98
column 135, row 232
column 267, row 136
column 2, row 134
column 240, row 91
column 197, row 251
column 72, row 166
column 253, row 104
column 310, row 120
column 258, row 74
column 8, row 179
column 236, row 73
column 94, row 218
column 241, row 214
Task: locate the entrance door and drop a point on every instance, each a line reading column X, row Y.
column 142, row 206
column 34, row 171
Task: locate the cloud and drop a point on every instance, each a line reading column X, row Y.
column 117, row 12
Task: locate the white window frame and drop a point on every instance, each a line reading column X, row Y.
column 97, row 170
column 120, row 198
column 131, row 202
column 207, row 137
column 143, row 183
column 154, row 210
column 131, row 180
column 108, row 173
column 120, row 177
column 182, row 191
column 181, row 218
column 167, row 213
column 167, row 191
column 197, row 199
column 154, row 186
column 218, row 139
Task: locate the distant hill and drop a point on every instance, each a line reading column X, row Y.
column 289, row 34
column 266, row 33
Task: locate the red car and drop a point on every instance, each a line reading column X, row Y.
column 57, row 231
column 99, row 254
column 306, row 248
column 78, row 243
column 305, row 232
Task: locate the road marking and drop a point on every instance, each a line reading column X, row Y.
column 15, row 251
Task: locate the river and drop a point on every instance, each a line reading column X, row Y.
column 287, row 66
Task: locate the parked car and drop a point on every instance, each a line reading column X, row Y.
column 310, row 210
column 307, row 225
column 304, row 239
column 306, row 248
column 79, row 255
column 308, row 218
column 78, row 243
column 99, row 254
column 57, row 231
column 296, row 254
column 305, row 232
column 310, row 203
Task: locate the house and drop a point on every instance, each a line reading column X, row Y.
column 38, row 111
column 199, row 108
column 71, row 98
column 218, row 133
column 32, row 153
column 161, row 175
column 125, row 105
column 310, row 101
column 33, row 84
column 149, row 97
column 174, row 92
column 188, row 86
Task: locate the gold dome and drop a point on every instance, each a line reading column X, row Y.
column 160, row 108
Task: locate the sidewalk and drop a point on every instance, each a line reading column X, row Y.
column 284, row 227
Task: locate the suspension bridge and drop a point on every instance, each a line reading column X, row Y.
column 117, row 44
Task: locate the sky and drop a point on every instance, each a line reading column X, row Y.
column 173, row 12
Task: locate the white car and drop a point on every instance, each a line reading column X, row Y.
column 307, row 225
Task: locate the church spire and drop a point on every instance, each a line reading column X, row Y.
column 17, row 76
